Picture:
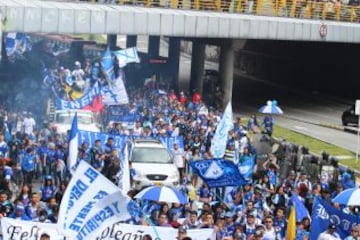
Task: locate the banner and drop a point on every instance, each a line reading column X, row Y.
column 323, row 214
column 73, row 145
column 110, row 209
column 127, row 231
column 19, row 230
column 115, row 93
column 86, row 188
column 13, row 229
column 218, row 172
column 125, row 56
column 119, row 140
column 16, row 44
column 218, row 143
column 86, row 99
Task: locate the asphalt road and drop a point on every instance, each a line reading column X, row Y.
column 304, row 111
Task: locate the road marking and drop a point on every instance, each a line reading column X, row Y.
column 300, row 128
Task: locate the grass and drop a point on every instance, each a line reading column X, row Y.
column 315, row 146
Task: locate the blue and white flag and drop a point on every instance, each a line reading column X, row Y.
column 106, row 212
column 324, row 213
column 86, row 188
column 246, row 166
column 123, row 176
column 218, row 143
column 107, row 66
column 80, row 103
column 218, row 172
column 125, row 56
column 115, row 93
column 73, row 145
column 17, row 43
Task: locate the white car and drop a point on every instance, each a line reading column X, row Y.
column 153, row 164
column 87, row 121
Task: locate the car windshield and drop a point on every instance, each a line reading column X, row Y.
column 66, row 118
column 151, row 155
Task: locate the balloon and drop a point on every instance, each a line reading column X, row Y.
column 268, row 103
column 274, row 103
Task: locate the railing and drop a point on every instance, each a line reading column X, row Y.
column 305, row 9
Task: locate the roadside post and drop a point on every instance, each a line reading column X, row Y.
column 357, row 112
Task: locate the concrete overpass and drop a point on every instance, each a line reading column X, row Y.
column 228, row 30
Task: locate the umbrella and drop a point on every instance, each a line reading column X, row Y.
column 271, row 107
column 162, row 194
column 349, row 197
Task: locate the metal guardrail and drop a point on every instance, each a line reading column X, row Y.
column 333, row 10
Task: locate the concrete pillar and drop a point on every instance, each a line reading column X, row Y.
column 154, row 46
column 197, row 66
column 227, row 69
column 174, row 60
column 111, row 40
column 131, row 41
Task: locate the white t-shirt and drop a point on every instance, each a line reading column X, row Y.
column 29, row 124
column 179, row 157
column 327, row 236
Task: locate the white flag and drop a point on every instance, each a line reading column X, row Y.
column 218, row 143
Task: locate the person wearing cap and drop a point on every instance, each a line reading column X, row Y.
column 355, row 233
column 330, row 233
column 229, row 225
column 19, row 213
column 250, row 224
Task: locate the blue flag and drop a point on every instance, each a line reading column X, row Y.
column 246, row 166
column 300, row 209
column 218, row 172
column 218, row 143
column 107, row 65
column 73, row 145
column 323, row 214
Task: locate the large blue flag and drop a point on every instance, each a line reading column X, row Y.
column 73, row 145
column 323, row 214
column 218, row 143
column 107, row 65
column 218, row 172
column 300, row 209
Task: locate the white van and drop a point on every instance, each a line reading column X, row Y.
column 87, row 121
column 153, row 164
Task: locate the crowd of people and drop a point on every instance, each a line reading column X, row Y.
column 34, row 176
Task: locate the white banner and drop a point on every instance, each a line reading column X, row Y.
column 86, row 188
column 125, row 56
column 19, row 230
column 116, row 93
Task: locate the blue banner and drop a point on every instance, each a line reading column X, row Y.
column 119, row 140
column 323, row 214
column 218, row 172
column 80, row 103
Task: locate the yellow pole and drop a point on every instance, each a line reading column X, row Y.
column 352, row 14
column 276, row 8
column 173, row 4
column 293, row 9
column 258, row 7
column 308, row 9
column 197, row 4
column 218, row 5
column 324, row 11
column 239, row 7
column 148, row 3
column 337, row 9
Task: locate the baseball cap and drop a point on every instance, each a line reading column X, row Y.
column 229, row 214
